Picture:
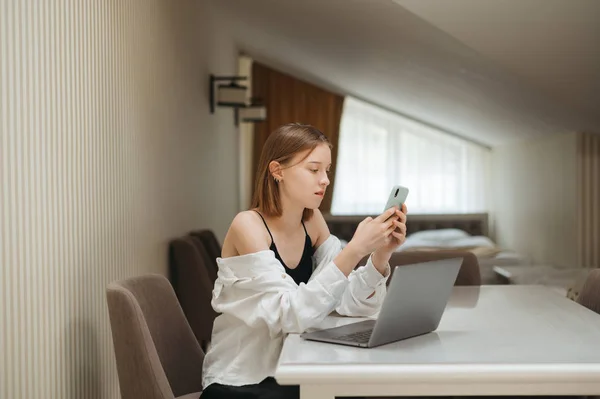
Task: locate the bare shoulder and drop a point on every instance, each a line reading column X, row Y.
column 319, row 226
column 246, row 235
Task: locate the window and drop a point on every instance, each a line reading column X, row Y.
column 378, row 149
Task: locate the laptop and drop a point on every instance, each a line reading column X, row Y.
column 414, row 304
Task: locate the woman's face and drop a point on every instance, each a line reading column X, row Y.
column 306, row 181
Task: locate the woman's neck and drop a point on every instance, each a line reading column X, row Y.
column 290, row 218
column 289, row 221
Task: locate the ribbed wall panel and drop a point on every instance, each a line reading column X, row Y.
column 589, row 199
column 104, row 138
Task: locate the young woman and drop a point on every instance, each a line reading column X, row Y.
column 281, row 271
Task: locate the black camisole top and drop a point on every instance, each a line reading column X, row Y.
column 302, row 272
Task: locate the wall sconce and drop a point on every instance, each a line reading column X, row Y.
column 253, row 112
column 234, row 95
column 227, row 95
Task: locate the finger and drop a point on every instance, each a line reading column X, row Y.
column 386, row 215
column 365, row 221
column 402, row 217
column 398, row 236
column 394, row 217
column 393, row 221
column 390, row 230
column 388, row 223
column 403, row 229
column 400, row 227
column 404, row 209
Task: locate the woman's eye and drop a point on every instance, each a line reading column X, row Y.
column 314, row 170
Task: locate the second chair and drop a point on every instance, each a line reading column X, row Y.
column 191, row 278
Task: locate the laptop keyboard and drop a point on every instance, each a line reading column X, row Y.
column 359, row 336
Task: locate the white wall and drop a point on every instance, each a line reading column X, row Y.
column 107, row 151
column 535, row 198
column 246, row 143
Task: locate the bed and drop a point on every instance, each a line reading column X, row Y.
column 460, row 232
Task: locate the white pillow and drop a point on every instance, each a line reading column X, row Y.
column 474, row 241
column 440, row 235
column 465, row 242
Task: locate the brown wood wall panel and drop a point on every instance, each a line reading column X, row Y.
column 288, row 100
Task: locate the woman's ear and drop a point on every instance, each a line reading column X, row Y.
column 276, row 170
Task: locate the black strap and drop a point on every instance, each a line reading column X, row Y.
column 265, row 223
column 263, row 219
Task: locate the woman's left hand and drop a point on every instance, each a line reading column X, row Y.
column 382, row 255
column 398, row 236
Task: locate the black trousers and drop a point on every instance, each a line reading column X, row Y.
column 266, row 389
column 270, row 389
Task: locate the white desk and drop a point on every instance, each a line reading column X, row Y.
column 497, row 340
column 556, row 278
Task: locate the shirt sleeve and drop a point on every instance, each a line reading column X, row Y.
column 365, row 292
column 366, row 289
column 260, row 293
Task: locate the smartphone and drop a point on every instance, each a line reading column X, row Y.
column 397, row 197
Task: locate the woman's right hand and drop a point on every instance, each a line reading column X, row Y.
column 374, row 233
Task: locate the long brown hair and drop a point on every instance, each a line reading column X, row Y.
column 281, row 146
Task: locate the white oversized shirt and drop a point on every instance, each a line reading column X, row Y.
column 260, row 304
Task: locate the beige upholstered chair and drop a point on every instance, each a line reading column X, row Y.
column 190, row 274
column 157, row 355
column 213, row 249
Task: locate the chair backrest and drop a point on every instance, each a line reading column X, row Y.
column 209, row 262
column 590, row 292
column 193, row 285
column 156, row 352
column 211, row 244
column 469, row 273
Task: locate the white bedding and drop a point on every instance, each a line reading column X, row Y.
column 488, row 253
column 450, row 239
column 451, row 243
column 504, row 258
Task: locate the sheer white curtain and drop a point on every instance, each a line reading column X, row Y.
column 378, row 149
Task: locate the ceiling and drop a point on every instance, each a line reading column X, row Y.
column 552, row 44
column 492, row 74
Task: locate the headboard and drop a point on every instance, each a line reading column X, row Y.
column 476, row 224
